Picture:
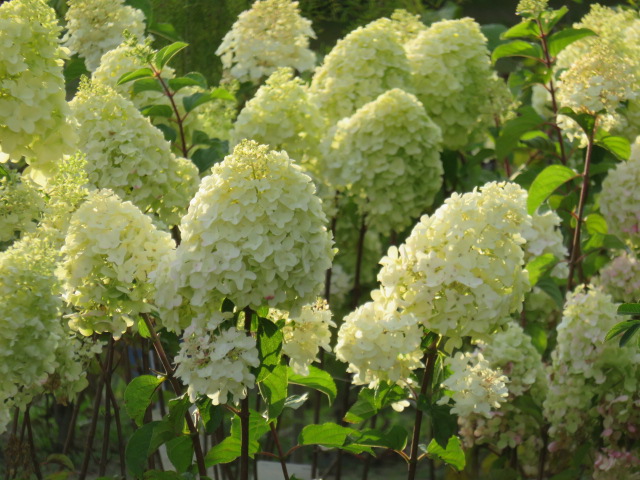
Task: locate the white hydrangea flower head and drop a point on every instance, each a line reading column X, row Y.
column 255, row 233
column 305, row 335
column 21, row 206
column 271, row 34
column 454, row 79
column 460, row 270
column 216, row 362
column 128, row 155
column 620, row 197
column 387, row 157
column 475, row 387
column 363, row 65
column 111, row 248
column 30, row 327
column 33, row 109
column 408, row 25
column 545, row 237
column 379, row 343
column 282, row 116
column 621, row 278
column 96, row 26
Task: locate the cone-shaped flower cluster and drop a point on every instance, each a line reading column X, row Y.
column 21, row 207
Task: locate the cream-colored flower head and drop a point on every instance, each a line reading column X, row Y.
column 97, row 26
column 363, row 65
column 531, row 8
column 379, row 343
column 454, row 79
column 21, row 206
column 460, row 270
column 546, row 237
column 128, row 155
column 271, row 34
column 282, row 116
column 111, row 248
column 33, row 109
column 255, row 233
column 216, row 361
column 305, row 334
column 387, row 157
column 620, row 197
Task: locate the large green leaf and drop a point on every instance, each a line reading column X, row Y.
column 371, row 401
column 517, row 48
column 328, row 434
column 395, row 438
column 269, row 347
column 515, row 128
column 274, row 391
column 139, row 448
column 559, row 40
column 180, row 452
column 629, row 309
column 452, row 454
column 162, row 56
column 540, row 265
column 144, row 72
column 524, row 29
column 546, row 183
column 318, row 380
column 138, row 395
column 618, row 146
column 229, row 449
column 548, row 286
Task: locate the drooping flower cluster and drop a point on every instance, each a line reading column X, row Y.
column 255, row 233
column 460, row 270
column 130, row 156
column 621, row 278
column 271, row 34
column 620, row 197
column 305, row 335
column 454, row 79
column 363, row 65
column 21, row 207
column 379, row 343
column 215, row 361
column 97, row 26
column 585, row 370
column 387, row 156
column 282, row 116
column 475, row 387
column 110, row 249
column 33, row 110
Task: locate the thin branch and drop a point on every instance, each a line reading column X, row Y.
column 281, row 457
column 32, row 446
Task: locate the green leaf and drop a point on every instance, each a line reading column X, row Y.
column 199, row 78
column 147, row 85
column 165, row 30
column 618, row 146
column 598, row 240
column 180, row 453
column 318, row 380
column 546, row 183
column 551, row 19
column 229, row 449
column 538, row 335
column 620, row 328
column 143, row 330
column 274, row 391
column 559, row 40
column 395, row 438
column 178, row 408
column 138, row 395
column 200, row 98
column 210, row 414
column 586, row 121
column 548, row 286
column 170, row 135
column 363, row 408
column 629, row 309
column 269, row 348
column 294, row 402
column 144, row 72
column 222, row 94
column 596, row 223
column 162, row 56
column 61, row 459
column 524, row 29
column 157, row 111
column 205, row 158
column 452, row 455
column 517, row 48
column 626, row 336
column 444, row 424
column 138, row 449
column 539, row 266
column 515, row 128
column 328, row 434
column 179, row 83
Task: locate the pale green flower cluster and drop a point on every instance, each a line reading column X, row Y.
column 217, row 362
column 96, row 26
column 30, row 327
column 305, row 335
column 512, row 352
column 33, row 110
column 271, row 34
column 130, row 156
column 474, row 387
column 380, row 343
column 621, row 278
column 21, row 206
column 407, row 25
column 111, row 248
column 282, row 116
column 454, row 79
column 460, row 270
column 363, row 65
column 387, row 157
column 255, row 233
column 531, row 8
column 620, row 197
column 585, row 369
